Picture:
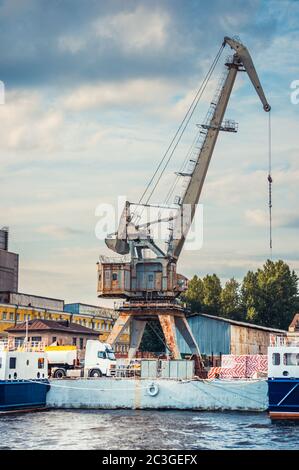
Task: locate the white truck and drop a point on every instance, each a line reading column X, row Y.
column 63, row 361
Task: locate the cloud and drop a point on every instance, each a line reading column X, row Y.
column 135, row 30
column 285, row 219
column 57, row 232
column 138, row 92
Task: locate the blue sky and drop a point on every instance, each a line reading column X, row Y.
column 94, row 93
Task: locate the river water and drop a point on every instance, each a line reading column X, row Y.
column 158, row 430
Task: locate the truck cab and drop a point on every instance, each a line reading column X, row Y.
column 99, row 359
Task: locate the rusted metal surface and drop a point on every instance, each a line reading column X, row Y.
column 119, row 326
column 249, row 340
column 169, row 330
column 137, row 330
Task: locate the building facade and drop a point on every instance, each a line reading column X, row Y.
column 97, row 319
column 9, row 265
column 61, row 333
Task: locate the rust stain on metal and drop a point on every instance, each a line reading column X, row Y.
column 168, row 327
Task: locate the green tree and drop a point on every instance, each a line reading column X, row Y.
column 153, row 338
column 212, row 294
column 231, row 301
column 194, row 294
column 270, row 295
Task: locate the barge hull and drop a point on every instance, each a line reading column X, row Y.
column 22, row 395
column 111, row 393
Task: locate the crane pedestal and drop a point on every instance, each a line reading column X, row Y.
column 171, row 318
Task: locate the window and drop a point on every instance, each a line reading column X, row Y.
column 12, row 362
column 114, row 276
column 150, row 277
column 291, row 359
column 11, row 316
column 74, row 341
column 81, row 343
column 36, row 339
column 18, row 317
column 102, row 355
column 41, row 363
column 4, row 316
column 276, row 359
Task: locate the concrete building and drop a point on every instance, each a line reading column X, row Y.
column 48, row 331
column 9, row 264
column 216, row 336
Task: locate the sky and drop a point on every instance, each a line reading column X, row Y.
column 95, row 91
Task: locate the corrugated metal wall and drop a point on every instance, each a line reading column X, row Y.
column 249, row 340
column 212, row 336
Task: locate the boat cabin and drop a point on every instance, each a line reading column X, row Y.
column 21, row 363
column 283, row 362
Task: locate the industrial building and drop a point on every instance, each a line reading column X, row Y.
column 9, row 265
column 216, row 336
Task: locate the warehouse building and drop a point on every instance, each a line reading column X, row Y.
column 216, row 336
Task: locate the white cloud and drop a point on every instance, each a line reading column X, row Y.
column 136, row 30
column 70, row 43
column 138, row 92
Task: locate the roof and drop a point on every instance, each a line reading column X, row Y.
column 97, row 310
column 294, row 326
column 239, row 323
column 51, row 325
column 30, row 295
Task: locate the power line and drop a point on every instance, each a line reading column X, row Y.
column 270, row 181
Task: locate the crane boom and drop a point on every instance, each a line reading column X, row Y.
column 241, row 61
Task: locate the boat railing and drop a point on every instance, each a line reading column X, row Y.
column 24, row 346
column 285, row 341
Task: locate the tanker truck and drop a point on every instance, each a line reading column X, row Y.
column 64, row 361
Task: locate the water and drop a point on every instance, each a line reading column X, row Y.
column 158, row 430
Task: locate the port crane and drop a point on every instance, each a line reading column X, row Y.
column 145, row 275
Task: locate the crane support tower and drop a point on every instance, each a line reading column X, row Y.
column 150, row 285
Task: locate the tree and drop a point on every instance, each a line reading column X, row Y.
column 194, row 294
column 231, row 301
column 153, row 338
column 270, row 295
column 212, row 294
